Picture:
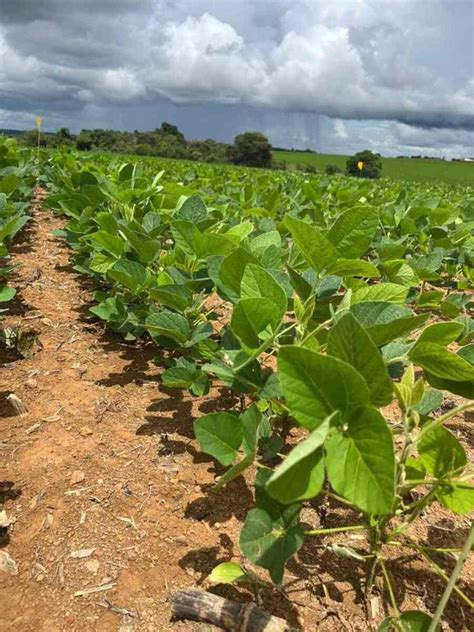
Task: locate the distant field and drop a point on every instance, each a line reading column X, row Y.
column 396, row 168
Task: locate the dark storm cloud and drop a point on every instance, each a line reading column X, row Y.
column 409, row 62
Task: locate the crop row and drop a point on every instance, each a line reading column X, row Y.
column 338, row 312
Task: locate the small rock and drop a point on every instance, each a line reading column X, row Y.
column 92, row 566
column 77, row 477
column 8, row 564
column 181, row 540
column 85, row 431
column 31, row 383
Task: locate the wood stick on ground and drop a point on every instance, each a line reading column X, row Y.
column 203, row 606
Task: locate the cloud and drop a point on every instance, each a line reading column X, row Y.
column 349, row 61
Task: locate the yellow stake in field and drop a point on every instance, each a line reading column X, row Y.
column 360, row 165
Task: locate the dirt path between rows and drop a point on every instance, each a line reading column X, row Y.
column 106, row 487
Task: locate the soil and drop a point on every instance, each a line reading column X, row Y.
column 106, row 486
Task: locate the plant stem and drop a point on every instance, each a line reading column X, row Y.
column 315, row 331
column 452, row 581
column 357, row 527
column 441, row 420
column 441, row 573
column 265, row 344
column 389, row 586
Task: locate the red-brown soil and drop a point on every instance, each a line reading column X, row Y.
column 105, row 459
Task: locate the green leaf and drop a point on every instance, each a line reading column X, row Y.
column 130, row 274
column 168, row 324
column 440, row 362
column 315, row 247
column 301, row 475
column 254, row 319
column 188, row 375
column 269, row 543
column 350, row 342
column 317, row 385
column 236, row 470
column 193, row 210
column 177, row 297
column 431, row 400
column 441, row 333
column 6, row 293
column 353, row 231
column 228, row 573
column 232, row 270
column 386, row 321
column 457, row 496
column 112, row 244
column 360, row 462
column 258, row 283
column 409, row 621
column 220, row 435
column 354, row 268
column 440, row 452
column 387, row 292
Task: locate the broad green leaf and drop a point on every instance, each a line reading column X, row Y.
column 431, row 400
column 228, row 573
column 354, row 268
column 409, row 621
column 441, row 363
column 386, row 321
column 353, row 231
column 236, row 470
column 232, row 270
column 441, row 333
column 258, row 283
column 315, row 247
column 168, row 324
column 178, row 297
column 441, row 453
column 6, row 293
column 301, row 475
column 388, row 292
column 317, row 385
column 254, row 319
column 350, row 342
column 269, row 543
column 193, row 210
column 188, row 375
column 220, row 435
column 101, row 262
column 112, row 244
column 457, row 496
column 130, row 274
column 360, row 462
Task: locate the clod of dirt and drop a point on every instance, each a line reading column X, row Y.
column 18, row 406
column 77, row 477
column 92, row 566
column 8, row 564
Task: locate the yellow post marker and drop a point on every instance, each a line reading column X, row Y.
column 360, row 166
column 38, row 122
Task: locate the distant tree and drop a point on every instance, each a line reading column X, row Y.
column 333, row 170
column 171, row 130
column 63, row 133
column 372, row 164
column 252, row 149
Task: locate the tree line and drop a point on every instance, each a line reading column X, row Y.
column 251, row 149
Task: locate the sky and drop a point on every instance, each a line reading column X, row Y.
column 336, row 76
